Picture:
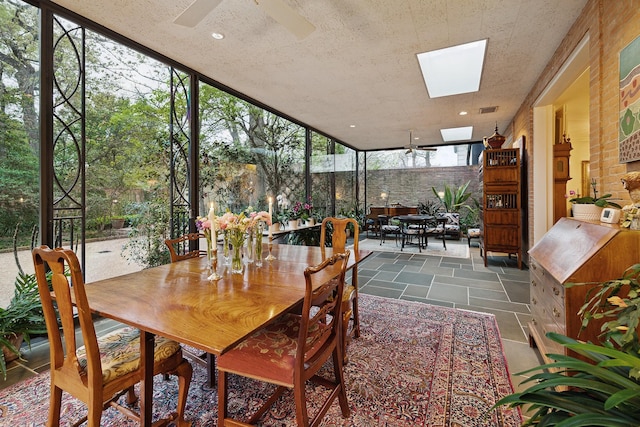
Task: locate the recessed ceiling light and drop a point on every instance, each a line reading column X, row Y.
column 217, row 36
column 463, row 113
column 352, row 126
column 453, row 70
column 457, row 134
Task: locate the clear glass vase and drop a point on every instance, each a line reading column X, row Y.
column 236, row 259
column 250, row 247
column 225, row 248
column 258, row 245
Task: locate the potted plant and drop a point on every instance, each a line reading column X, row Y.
column 453, row 199
column 22, row 318
column 605, row 392
column 590, row 207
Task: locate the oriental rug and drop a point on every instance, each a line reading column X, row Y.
column 413, row 365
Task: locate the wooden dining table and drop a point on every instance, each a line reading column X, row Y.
column 178, row 302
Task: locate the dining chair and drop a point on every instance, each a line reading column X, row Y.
column 291, row 350
column 339, row 228
column 386, row 228
column 179, row 250
column 104, row 368
column 179, row 247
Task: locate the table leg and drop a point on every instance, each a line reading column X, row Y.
column 147, row 342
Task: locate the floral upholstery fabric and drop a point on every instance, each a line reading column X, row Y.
column 473, row 232
column 269, row 352
column 120, row 352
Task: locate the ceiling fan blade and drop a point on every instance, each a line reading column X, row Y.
column 287, row 17
column 196, row 12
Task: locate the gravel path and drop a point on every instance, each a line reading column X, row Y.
column 104, row 259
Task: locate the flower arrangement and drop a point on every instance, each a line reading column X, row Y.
column 602, row 201
column 302, row 210
column 237, row 227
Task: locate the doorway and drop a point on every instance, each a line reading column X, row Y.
column 567, row 93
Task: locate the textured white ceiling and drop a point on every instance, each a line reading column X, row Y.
column 359, row 67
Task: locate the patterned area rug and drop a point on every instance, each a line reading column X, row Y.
column 455, row 249
column 413, row 365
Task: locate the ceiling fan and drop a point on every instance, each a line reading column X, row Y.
column 411, row 148
column 279, row 10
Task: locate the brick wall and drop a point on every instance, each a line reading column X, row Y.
column 611, row 25
column 411, row 186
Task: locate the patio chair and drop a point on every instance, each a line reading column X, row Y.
column 388, row 227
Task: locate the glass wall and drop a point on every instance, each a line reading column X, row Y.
column 345, row 171
column 248, row 154
column 122, row 143
column 322, row 165
column 19, row 136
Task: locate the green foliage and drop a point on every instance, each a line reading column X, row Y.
column 600, row 393
column 604, row 390
column 470, row 215
column 453, row 199
column 428, row 207
column 150, row 228
column 23, row 316
column 618, row 303
column 305, row 237
column 601, row 201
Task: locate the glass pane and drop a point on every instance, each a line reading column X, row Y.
column 127, row 157
column 19, row 137
column 248, row 155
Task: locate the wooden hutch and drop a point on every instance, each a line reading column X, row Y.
column 501, row 206
column 574, row 251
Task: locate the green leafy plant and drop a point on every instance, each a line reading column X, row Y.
column 150, row 228
column 453, row 199
column 604, row 388
column 601, row 201
column 22, row 317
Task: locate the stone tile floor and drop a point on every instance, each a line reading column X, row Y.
column 500, row 289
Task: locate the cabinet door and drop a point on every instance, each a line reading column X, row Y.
column 500, row 237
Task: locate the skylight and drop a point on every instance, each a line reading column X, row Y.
column 457, row 134
column 453, row 70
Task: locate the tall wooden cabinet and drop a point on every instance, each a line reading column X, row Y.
column 501, row 206
column 574, row 251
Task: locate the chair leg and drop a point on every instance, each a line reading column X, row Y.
column 131, row 395
column 222, row 398
column 55, row 406
column 346, row 336
column 302, row 417
column 342, row 392
column 354, row 304
column 184, row 371
column 211, row 372
column 95, row 406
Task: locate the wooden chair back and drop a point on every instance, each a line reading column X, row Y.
column 68, row 286
column 339, row 233
column 179, row 247
column 294, row 348
column 78, row 371
column 320, row 307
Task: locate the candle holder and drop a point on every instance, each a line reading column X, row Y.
column 213, row 261
column 270, row 257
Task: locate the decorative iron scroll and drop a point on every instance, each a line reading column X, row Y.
column 69, row 135
column 180, row 169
